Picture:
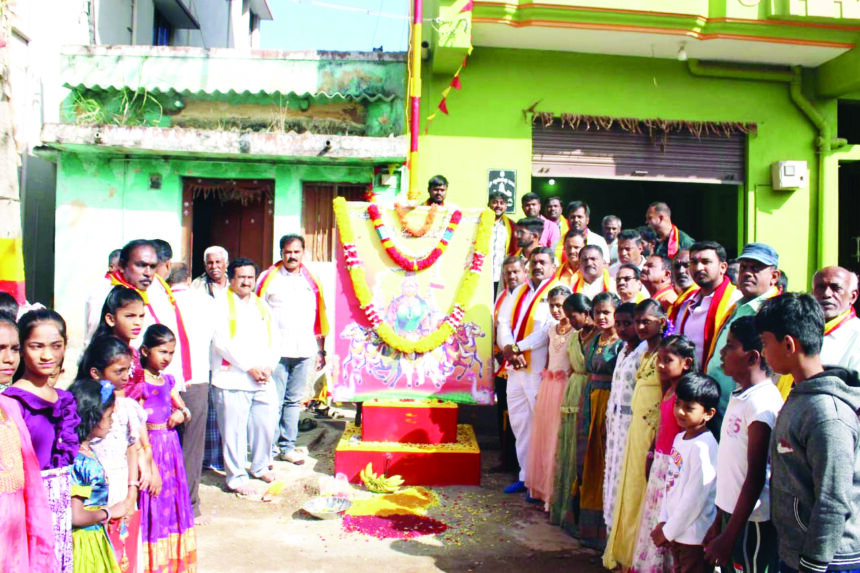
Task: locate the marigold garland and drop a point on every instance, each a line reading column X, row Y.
column 365, row 297
column 428, row 220
column 406, row 262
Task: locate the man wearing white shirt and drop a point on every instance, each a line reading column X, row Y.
column 245, row 353
column 578, row 216
column 835, row 289
column 294, row 297
column 611, row 227
column 524, row 320
column 629, row 251
column 198, row 310
column 215, row 278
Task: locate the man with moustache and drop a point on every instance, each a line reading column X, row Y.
column 528, row 233
column 295, row 300
column 513, row 275
column 137, row 263
column 835, row 289
column 437, row 189
column 629, row 251
column 592, row 276
column 503, row 242
column 215, row 278
column 684, row 285
column 657, row 278
column 245, row 352
column 758, row 273
column 573, row 243
column 628, row 284
column 695, row 318
column 524, row 319
column 578, row 216
column 610, row 228
column 551, row 234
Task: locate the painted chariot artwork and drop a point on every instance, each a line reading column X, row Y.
column 413, row 303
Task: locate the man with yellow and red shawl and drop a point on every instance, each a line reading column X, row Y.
column 524, row 320
column 703, row 314
column 295, row 299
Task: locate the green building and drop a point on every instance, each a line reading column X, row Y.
column 626, row 102
column 215, row 147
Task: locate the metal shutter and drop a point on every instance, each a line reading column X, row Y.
column 618, row 154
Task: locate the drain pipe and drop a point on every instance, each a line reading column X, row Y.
column 825, row 143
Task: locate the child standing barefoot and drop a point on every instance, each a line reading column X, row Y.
column 90, row 509
column 167, row 522
column 676, row 357
column 540, row 474
column 51, row 418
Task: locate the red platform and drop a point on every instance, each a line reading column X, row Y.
column 409, row 421
column 457, row 463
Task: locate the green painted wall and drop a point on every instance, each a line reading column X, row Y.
column 105, row 201
column 487, row 129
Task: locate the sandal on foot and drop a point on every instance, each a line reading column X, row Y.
column 307, row 425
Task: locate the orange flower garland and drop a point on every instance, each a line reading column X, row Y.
column 428, row 220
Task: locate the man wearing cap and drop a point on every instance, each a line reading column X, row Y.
column 758, row 274
column 835, row 289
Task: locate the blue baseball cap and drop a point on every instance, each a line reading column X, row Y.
column 765, row 254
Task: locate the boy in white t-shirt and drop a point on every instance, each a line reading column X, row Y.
column 688, row 506
column 743, row 534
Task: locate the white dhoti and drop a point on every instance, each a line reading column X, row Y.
column 246, row 418
column 522, row 394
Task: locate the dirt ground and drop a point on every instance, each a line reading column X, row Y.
column 487, row 530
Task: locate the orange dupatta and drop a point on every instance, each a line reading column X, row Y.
column 676, row 306
column 116, row 279
column 321, row 321
column 673, row 243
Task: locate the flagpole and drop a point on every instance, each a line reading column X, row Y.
column 415, row 98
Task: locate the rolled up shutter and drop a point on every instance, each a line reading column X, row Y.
column 618, row 154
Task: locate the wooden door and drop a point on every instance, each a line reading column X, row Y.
column 236, row 214
column 318, row 226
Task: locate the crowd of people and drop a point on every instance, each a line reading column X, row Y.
column 176, row 375
column 668, row 413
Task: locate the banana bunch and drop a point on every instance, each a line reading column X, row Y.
column 379, row 483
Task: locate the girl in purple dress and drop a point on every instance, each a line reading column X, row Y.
column 167, row 522
column 50, row 416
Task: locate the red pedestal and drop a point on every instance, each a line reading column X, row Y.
column 457, row 463
column 409, row 421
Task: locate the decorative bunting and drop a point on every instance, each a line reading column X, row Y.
column 443, row 107
column 467, row 6
column 455, row 83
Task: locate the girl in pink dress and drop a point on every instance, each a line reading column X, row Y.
column 540, row 472
column 26, row 537
column 167, row 520
column 676, row 357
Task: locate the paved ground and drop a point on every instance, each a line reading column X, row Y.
column 487, row 530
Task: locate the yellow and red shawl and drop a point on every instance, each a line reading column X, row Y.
column 510, row 241
column 520, row 309
column 673, row 243
column 834, row 324
column 117, row 278
column 684, row 297
column 718, row 312
column 579, row 282
column 321, row 322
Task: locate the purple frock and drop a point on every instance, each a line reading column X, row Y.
column 167, row 521
column 52, row 431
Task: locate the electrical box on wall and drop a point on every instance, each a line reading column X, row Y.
column 789, row 175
